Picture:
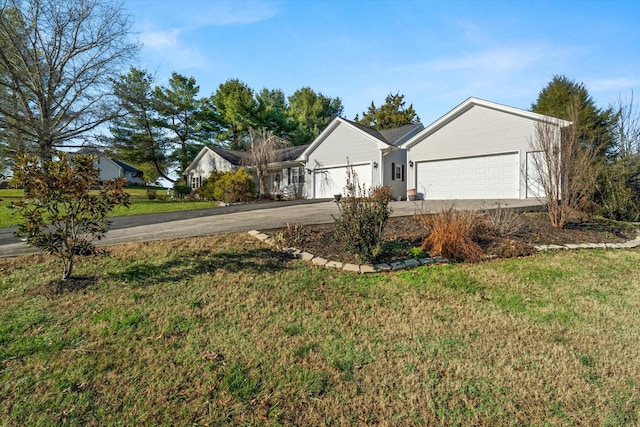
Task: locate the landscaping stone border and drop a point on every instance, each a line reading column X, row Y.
column 355, row 268
column 629, row 244
column 411, row 262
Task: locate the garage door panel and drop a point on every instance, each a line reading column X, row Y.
column 485, row 177
column 330, row 181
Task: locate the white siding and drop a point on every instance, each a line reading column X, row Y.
column 345, row 145
column 478, row 131
column 108, row 169
column 396, row 158
column 207, row 163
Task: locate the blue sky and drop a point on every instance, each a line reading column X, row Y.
column 436, row 53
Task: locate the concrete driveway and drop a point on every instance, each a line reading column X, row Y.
column 242, row 218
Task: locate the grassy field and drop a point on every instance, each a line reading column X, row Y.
column 221, row 330
column 140, row 204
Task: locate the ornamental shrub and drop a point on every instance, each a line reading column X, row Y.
column 362, row 218
column 234, row 187
column 59, row 214
column 207, row 189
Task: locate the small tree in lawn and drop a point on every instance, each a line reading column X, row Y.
column 59, row 213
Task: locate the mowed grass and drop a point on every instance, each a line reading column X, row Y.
column 140, row 204
column 221, row 330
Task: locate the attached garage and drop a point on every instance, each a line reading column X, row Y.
column 330, row 181
column 482, row 177
column 479, row 150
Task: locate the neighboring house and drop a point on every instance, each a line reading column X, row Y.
column 375, row 156
column 111, row 168
column 286, row 174
column 478, row 150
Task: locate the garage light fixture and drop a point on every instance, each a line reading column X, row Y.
column 410, row 163
column 375, row 165
column 309, row 171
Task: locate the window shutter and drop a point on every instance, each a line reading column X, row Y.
column 393, row 171
column 402, row 173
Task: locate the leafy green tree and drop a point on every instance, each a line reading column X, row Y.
column 59, row 214
column 235, row 108
column 137, row 134
column 57, row 60
column 558, row 98
column 177, row 107
column 391, row 114
column 311, row 112
column 272, row 111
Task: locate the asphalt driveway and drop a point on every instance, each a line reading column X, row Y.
column 239, row 218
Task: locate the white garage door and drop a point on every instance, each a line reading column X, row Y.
column 485, row 177
column 330, row 181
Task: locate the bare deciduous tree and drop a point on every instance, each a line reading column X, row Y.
column 626, row 128
column 57, row 61
column 564, row 165
column 261, row 152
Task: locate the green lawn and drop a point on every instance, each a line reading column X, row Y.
column 220, row 330
column 140, row 204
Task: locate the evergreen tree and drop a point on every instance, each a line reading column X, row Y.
column 311, row 112
column 596, row 125
column 235, row 108
column 178, row 108
column 137, row 135
column 391, row 114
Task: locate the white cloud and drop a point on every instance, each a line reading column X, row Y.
column 158, row 40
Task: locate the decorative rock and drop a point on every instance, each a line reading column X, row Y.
column 426, row 261
column 306, row 256
column 572, row 246
column 438, row 259
column 351, row 267
column 334, row 264
column 398, row 265
column 254, row 232
column 262, row 236
column 556, row 247
column 383, row 267
column 412, row 263
column 269, row 241
column 365, row 268
column 319, row 261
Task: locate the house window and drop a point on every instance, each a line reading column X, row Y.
column 397, row 172
column 297, row 175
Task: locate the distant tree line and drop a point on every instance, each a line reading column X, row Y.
column 166, row 126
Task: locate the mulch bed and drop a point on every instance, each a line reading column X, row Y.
column 404, row 233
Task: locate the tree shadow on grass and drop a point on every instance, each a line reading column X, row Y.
column 72, row 284
column 185, row 266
